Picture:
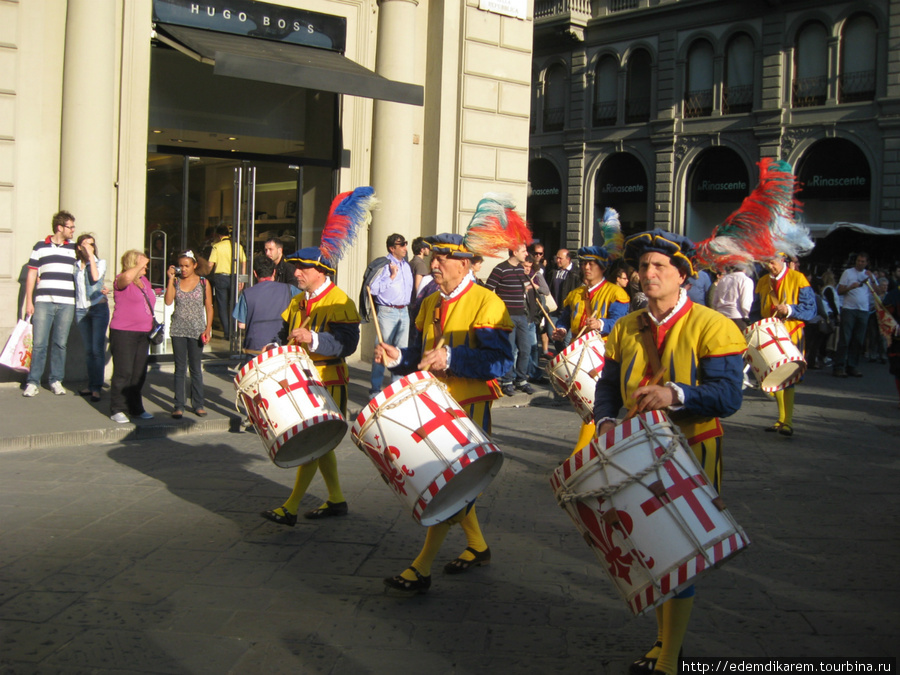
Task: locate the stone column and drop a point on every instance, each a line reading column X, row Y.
column 393, row 175
column 87, row 149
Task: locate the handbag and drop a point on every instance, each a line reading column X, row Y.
column 17, row 352
column 157, row 332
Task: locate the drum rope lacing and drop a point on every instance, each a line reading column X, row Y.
column 306, row 364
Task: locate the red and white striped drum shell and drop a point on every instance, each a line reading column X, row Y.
column 774, row 359
column 285, row 399
column 575, row 370
column 428, row 451
column 641, row 501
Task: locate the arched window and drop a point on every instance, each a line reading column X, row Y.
column 637, row 97
column 810, row 66
column 698, row 93
column 737, row 93
column 606, row 101
column 858, row 44
column 555, row 94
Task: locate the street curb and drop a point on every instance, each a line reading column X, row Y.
column 124, row 432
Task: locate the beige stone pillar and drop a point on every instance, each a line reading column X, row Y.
column 87, row 154
column 393, row 153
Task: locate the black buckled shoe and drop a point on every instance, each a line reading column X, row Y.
column 398, row 583
column 330, row 509
column 283, row 518
column 644, row 665
column 460, row 565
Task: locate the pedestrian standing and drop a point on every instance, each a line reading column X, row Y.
column 91, row 311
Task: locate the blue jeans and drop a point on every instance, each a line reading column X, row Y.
column 853, row 337
column 92, row 323
column 222, row 286
column 521, row 338
column 188, row 353
column 51, row 323
column 394, row 324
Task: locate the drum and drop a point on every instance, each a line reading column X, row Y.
column 643, row 504
column 775, row 360
column 294, row 415
column 575, row 370
column 434, row 458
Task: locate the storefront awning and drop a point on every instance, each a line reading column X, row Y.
column 288, row 64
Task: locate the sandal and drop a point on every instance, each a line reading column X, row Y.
column 283, row 518
column 177, row 414
column 398, row 583
column 644, row 665
column 460, row 565
column 95, row 396
column 786, row 430
column 775, row 427
column 201, row 412
column 85, row 392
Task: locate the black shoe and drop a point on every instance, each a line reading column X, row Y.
column 853, row 372
column 525, row 387
column 459, row 565
column 508, row 390
column 289, row 519
column 330, row 509
column 644, row 665
column 398, row 583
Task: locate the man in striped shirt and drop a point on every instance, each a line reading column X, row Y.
column 50, row 301
column 508, row 280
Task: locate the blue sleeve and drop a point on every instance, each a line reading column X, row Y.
column 719, row 393
column 608, row 393
column 240, row 310
column 805, row 309
column 411, row 355
column 565, row 317
column 616, row 311
column 491, row 359
column 340, row 340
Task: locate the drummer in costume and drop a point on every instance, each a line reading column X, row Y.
column 786, row 294
column 700, row 355
column 765, row 229
column 324, row 320
column 474, row 326
column 597, row 304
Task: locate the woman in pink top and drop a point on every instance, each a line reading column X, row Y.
column 131, row 322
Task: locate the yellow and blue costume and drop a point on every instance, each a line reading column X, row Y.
column 475, row 327
column 789, row 288
column 701, row 353
column 606, row 301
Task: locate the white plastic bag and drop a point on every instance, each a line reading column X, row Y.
column 17, row 352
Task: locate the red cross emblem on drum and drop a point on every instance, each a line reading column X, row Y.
column 443, row 419
column 775, row 340
column 303, row 382
column 682, row 488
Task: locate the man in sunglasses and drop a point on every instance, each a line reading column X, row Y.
column 392, row 289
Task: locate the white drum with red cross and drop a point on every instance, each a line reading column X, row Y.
column 575, row 370
column 285, row 399
column 774, row 359
column 641, row 501
column 428, row 451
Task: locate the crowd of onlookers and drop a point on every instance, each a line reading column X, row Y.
column 66, row 284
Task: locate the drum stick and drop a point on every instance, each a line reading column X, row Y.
column 547, row 315
column 657, row 376
column 305, row 323
column 375, row 316
column 439, row 345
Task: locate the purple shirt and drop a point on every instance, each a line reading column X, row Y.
column 396, row 291
column 131, row 311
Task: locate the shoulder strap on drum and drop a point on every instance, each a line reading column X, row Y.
column 646, row 330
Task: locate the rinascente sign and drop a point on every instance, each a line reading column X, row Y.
column 256, row 19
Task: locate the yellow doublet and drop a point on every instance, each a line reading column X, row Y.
column 788, row 294
column 700, row 333
column 598, row 307
column 332, row 306
column 474, row 308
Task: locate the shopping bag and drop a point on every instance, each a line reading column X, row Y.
column 17, row 352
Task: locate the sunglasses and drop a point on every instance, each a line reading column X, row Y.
column 399, row 243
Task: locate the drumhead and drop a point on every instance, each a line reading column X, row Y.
column 462, row 489
column 308, row 444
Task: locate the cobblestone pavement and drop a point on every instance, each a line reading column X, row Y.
column 149, row 556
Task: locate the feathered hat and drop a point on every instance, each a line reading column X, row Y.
column 763, row 227
column 607, row 241
column 495, row 228
column 678, row 247
column 349, row 212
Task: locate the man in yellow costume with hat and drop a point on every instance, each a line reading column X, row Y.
column 324, row 320
column 472, row 325
column 700, row 355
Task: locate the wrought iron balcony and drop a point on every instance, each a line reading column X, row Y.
column 857, row 86
column 554, row 119
column 637, row 109
column 698, row 103
column 809, row 91
column 738, row 99
column 605, row 113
